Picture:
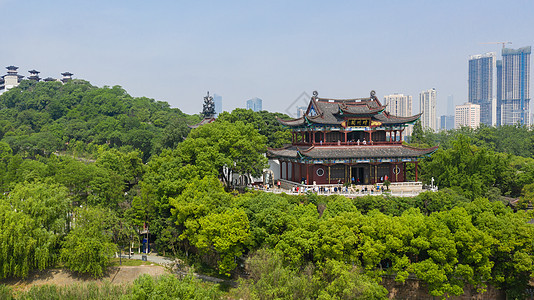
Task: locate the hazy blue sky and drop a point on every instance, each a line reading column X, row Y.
column 175, row 51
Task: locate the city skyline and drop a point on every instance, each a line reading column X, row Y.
column 261, row 49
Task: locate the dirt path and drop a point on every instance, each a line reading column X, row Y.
column 116, row 275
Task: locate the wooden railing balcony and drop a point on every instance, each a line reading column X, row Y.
column 350, row 143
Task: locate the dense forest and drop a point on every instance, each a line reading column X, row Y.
column 83, row 169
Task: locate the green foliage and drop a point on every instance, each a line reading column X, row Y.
column 227, row 234
column 270, row 279
column 470, row 169
column 265, row 122
column 44, row 117
column 76, row 291
column 201, row 211
column 218, row 146
column 170, row 287
column 32, row 219
column 88, row 248
column 89, row 183
column 512, row 139
column 144, row 287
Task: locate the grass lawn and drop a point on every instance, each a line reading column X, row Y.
column 131, row 262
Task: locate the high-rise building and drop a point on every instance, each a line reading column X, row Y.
column 450, row 105
column 480, row 79
column 217, row 101
column 400, row 105
column 427, row 105
column 254, row 104
column 515, row 82
column 446, row 122
column 467, row 115
column 498, row 93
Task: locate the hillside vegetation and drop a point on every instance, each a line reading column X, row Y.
column 43, row 117
column 83, row 170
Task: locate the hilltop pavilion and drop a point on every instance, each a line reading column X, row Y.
column 347, row 140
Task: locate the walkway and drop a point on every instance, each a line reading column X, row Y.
column 347, row 193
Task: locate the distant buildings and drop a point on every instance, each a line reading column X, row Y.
column 446, row 122
column 450, row 105
column 400, row 105
column 467, row 115
column 513, row 98
column 217, row 100
column 501, row 87
column 12, row 78
column 481, row 85
column 254, row 104
column 427, row 104
column 301, row 111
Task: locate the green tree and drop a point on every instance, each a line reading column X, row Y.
column 224, row 148
column 33, row 219
column 227, row 234
column 88, row 247
column 171, row 287
column 469, row 169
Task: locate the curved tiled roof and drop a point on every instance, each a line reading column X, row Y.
column 335, row 111
column 387, row 118
column 350, row 152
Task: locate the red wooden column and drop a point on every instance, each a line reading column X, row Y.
column 416, row 177
column 346, row 142
column 307, row 174
column 281, row 163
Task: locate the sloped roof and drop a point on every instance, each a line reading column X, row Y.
column 335, row 111
column 349, row 152
column 204, row 121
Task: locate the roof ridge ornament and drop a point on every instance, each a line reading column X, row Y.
column 373, row 94
column 315, row 94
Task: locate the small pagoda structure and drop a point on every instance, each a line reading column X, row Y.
column 34, row 75
column 66, row 76
column 339, row 141
column 208, row 111
column 11, row 79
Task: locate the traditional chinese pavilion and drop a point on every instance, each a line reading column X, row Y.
column 347, row 140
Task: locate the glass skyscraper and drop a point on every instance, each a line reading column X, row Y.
column 514, row 92
column 217, row 101
column 254, row 104
column 481, row 85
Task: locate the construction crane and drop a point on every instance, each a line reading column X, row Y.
column 503, row 43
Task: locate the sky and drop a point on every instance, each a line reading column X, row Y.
column 279, row 51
